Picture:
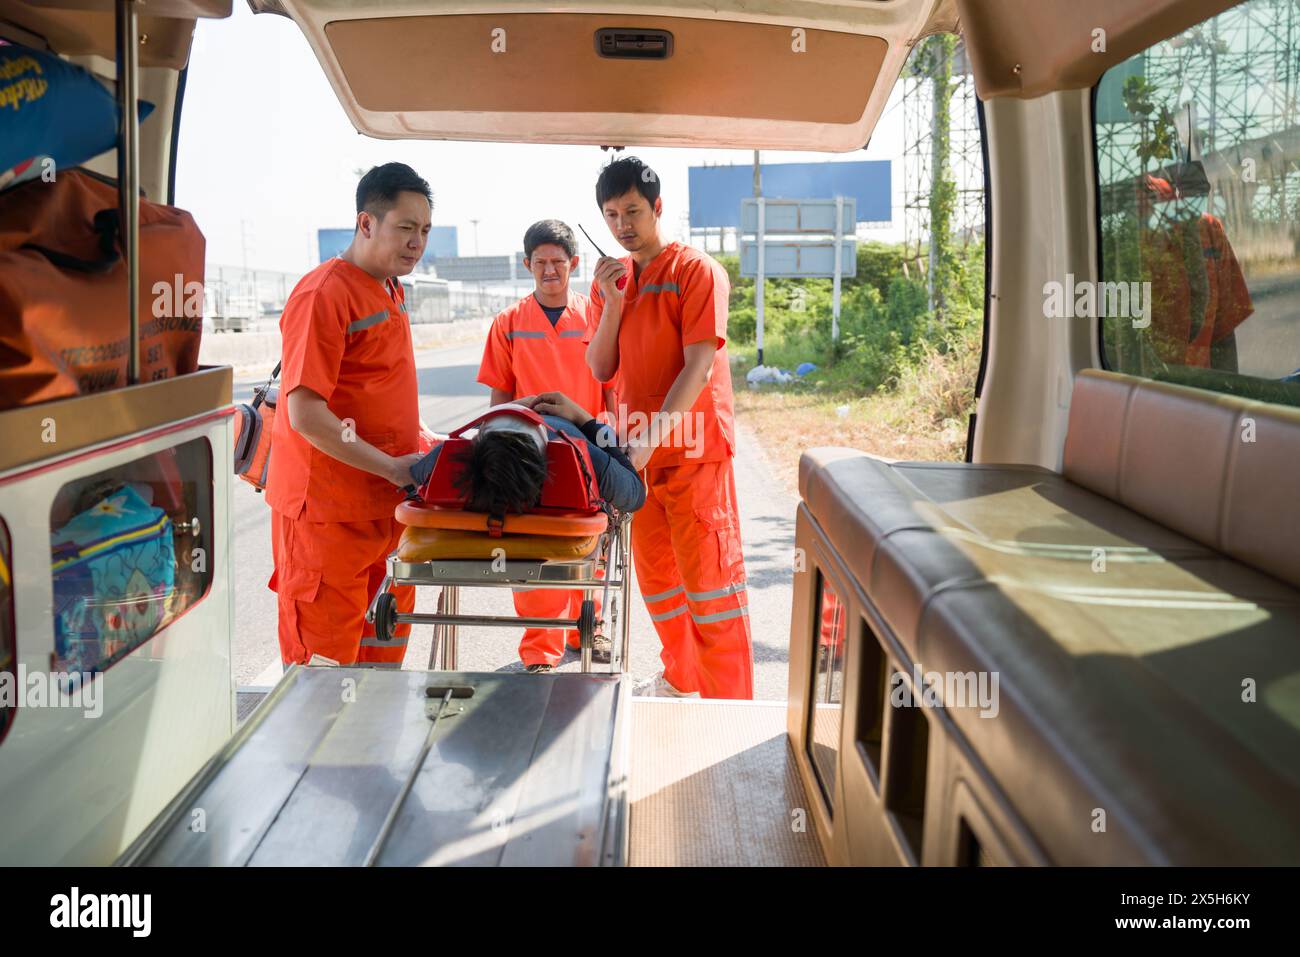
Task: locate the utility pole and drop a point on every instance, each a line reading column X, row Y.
column 243, row 244
column 480, row 282
column 759, row 280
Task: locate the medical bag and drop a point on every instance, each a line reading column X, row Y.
column 63, row 290
column 570, row 475
column 254, row 422
column 114, row 570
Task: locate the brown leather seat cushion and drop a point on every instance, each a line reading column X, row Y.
column 1120, row 684
column 1220, row 469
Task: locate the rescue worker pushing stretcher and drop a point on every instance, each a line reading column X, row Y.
column 352, row 431
column 662, row 339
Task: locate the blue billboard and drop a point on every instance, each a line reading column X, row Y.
column 716, row 191
column 442, row 243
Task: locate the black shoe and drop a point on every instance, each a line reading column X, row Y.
column 540, row 669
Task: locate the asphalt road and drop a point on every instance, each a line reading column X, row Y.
column 448, row 396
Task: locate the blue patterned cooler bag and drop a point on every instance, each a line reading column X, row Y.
column 114, row 571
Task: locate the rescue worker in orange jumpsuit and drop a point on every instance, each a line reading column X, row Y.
column 537, row 346
column 1198, row 290
column 348, row 432
column 664, row 337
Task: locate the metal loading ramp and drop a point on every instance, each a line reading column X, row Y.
column 713, row 783
column 357, row 767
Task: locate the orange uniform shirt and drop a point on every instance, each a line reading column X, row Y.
column 525, row 354
column 346, row 337
column 680, row 299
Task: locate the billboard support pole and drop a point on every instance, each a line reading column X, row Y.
column 839, row 268
column 759, row 282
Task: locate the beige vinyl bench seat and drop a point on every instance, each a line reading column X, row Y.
column 1124, row 604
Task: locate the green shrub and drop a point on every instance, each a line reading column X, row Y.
column 888, row 334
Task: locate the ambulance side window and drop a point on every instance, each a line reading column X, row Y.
column 1197, row 167
column 8, row 640
column 131, row 551
column 826, row 705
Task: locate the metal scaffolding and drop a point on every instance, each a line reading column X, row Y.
column 965, row 161
column 1232, row 81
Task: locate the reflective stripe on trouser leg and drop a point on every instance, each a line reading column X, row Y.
column 704, row 523
column 389, row 653
column 663, row 591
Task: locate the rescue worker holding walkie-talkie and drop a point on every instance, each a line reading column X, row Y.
column 659, row 330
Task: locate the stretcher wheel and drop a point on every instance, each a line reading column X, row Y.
column 587, row 623
column 385, row 616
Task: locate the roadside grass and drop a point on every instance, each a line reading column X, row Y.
column 920, row 414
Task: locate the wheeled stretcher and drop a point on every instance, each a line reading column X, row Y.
column 449, row 548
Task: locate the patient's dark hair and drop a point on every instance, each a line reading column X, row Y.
column 550, row 231
column 503, row 472
column 621, row 175
column 378, row 189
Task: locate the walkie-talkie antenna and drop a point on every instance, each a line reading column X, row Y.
column 622, row 280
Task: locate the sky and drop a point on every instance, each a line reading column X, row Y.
column 267, row 157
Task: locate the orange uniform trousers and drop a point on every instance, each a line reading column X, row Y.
column 545, row 646
column 691, row 570
column 326, row 573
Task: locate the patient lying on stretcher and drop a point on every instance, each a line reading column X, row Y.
column 506, row 466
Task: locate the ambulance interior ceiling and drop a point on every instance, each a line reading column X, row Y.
column 790, row 74
column 84, row 28
column 772, row 74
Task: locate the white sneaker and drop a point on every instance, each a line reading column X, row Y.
column 658, row 687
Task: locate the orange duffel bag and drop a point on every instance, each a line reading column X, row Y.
column 63, row 316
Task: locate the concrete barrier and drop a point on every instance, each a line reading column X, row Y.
column 261, row 350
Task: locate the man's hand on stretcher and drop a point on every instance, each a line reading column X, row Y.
column 638, row 450
column 619, row 483
column 558, row 404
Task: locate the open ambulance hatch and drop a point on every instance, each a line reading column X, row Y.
column 782, row 74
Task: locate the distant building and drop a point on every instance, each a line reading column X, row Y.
column 442, row 243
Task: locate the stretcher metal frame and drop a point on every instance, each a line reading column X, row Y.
column 612, row 556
